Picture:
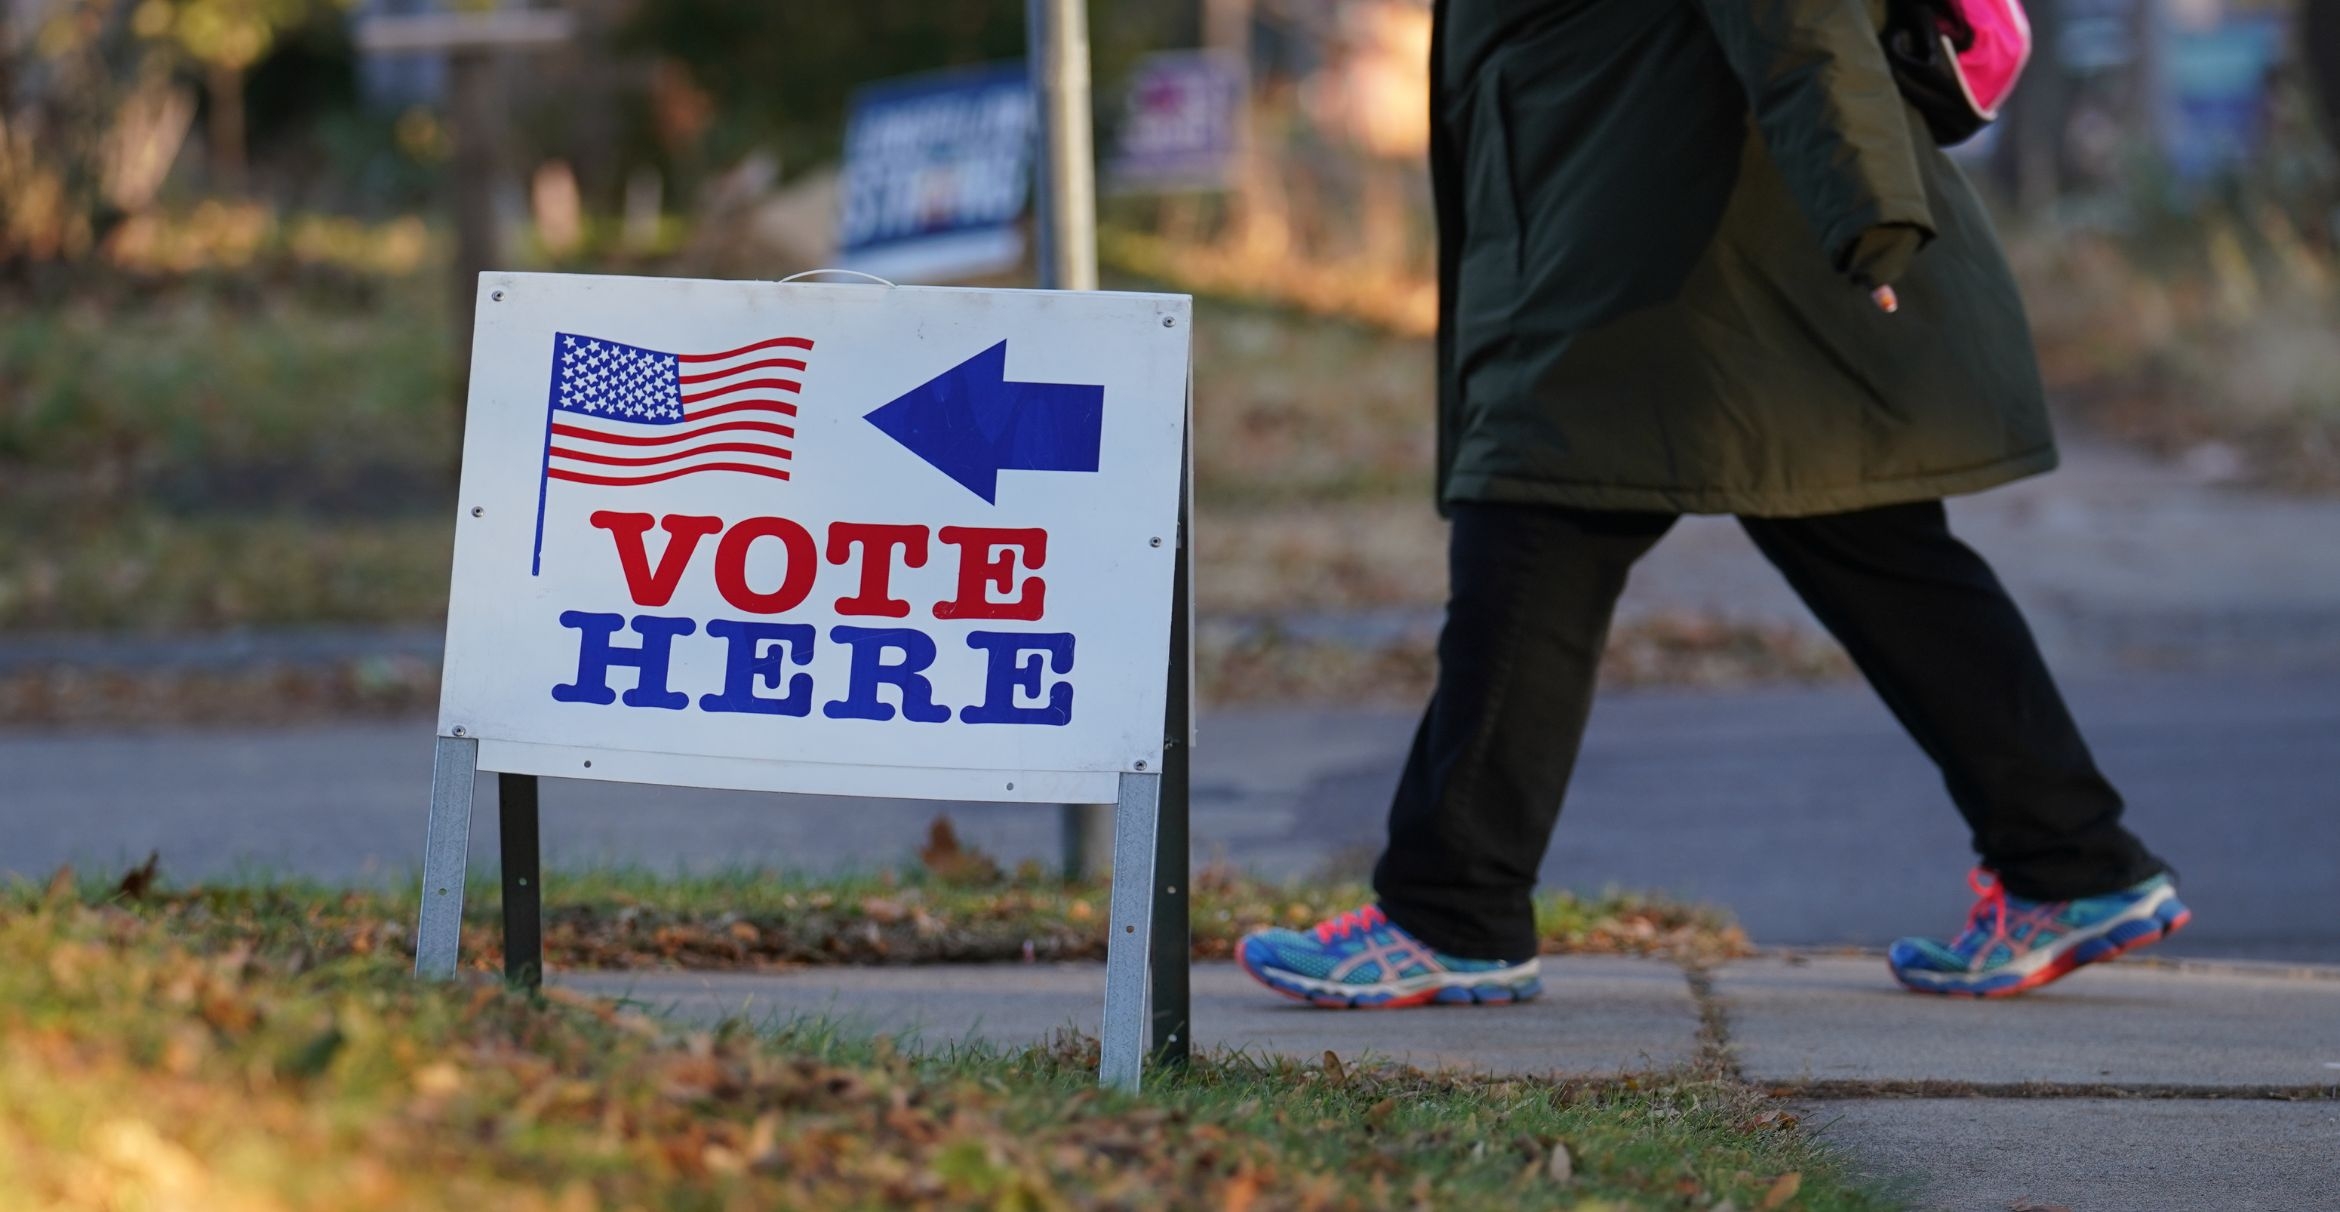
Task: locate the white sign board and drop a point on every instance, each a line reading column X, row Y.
column 842, row 539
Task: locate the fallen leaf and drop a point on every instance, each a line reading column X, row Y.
column 952, row 861
column 227, row 1014
column 139, row 880
column 1782, row 1190
column 1380, row 1111
column 312, row 1057
column 1240, row 1192
column 1772, row 1119
column 60, row 887
column 1333, row 1069
column 438, row 1077
column 1560, row 1168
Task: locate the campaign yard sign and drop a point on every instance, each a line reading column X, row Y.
column 842, row 539
column 1179, row 124
column 938, row 170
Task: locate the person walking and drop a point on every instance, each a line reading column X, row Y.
column 1700, row 256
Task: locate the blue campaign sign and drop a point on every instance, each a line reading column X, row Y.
column 937, row 174
column 1178, row 126
column 2217, row 92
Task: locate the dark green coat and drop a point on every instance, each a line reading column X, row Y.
column 1646, row 210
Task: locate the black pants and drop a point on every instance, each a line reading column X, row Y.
column 1533, row 589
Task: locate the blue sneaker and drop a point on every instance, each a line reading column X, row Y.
column 2011, row 944
column 1363, row 960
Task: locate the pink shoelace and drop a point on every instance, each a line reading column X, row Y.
column 1991, row 899
column 1353, row 922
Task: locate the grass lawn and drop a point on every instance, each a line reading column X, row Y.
column 190, row 458
column 148, row 1064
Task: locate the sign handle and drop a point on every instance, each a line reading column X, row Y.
column 438, row 933
column 1136, row 815
column 523, row 885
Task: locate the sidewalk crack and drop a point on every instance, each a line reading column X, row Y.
column 1715, row 1058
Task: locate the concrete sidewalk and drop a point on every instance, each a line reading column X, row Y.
column 2136, row 1087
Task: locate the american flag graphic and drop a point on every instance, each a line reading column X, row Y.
column 624, row 415
column 621, row 415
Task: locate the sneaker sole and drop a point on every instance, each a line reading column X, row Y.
column 2118, row 941
column 1391, row 997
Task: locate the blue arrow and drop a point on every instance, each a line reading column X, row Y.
column 971, row 423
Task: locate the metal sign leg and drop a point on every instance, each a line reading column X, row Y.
column 523, row 887
column 438, row 934
column 1173, row 946
column 1123, row 1037
column 1172, row 1034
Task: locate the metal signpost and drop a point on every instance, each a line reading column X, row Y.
column 826, row 539
column 1057, row 41
column 1056, row 44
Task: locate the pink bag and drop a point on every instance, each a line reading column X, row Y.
column 1957, row 60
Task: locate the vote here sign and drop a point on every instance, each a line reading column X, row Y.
column 821, row 538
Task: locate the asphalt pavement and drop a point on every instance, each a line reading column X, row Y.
column 1805, row 811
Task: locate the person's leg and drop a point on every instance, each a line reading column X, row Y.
column 1935, row 633
column 1531, row 593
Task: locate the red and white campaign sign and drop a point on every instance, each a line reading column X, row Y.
column 842, row 539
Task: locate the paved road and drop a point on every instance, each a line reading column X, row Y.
column 1804, row 810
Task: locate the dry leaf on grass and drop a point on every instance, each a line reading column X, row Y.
column 1240, row 1192
column 953, row 861
column 1559, row 1167
column 138, row 880
column 1783, row 1189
